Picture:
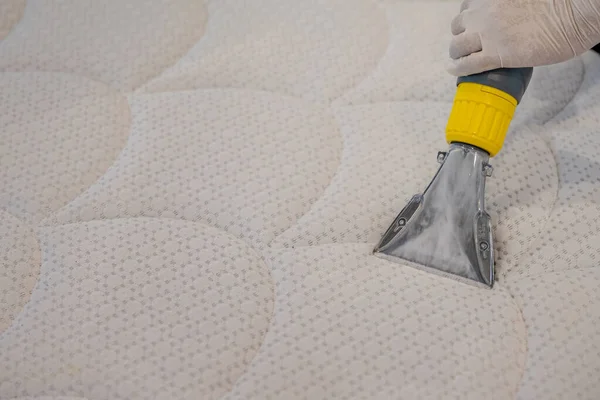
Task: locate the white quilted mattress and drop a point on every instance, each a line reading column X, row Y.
column 190, row 191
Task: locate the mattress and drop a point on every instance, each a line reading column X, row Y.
column 190, row 192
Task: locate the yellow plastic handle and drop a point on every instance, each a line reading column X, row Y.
column 480, row 116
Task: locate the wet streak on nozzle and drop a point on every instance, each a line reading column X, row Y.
column 446, row 229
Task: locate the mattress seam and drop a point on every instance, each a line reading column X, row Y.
column 258, row 254
column 572, row 99
column 46, row 221
column 347, row 90
column 332, row 113
column 526, row 340
column 269, row 327
column 522, row 255
column 138, row 88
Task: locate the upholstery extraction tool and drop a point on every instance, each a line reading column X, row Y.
column 446, row 229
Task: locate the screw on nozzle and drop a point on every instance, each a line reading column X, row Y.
column 488, row 170
column 441, row 156
column 400, row 224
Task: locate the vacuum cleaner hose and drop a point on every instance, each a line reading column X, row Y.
column 512, row 81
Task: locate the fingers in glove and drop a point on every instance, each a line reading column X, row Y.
column 465, row 44
column 465, row 5
column 458, row 24
column 473, row 64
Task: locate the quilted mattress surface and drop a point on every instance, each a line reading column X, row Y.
column 190, row 191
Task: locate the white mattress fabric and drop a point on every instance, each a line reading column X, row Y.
column 190, row 191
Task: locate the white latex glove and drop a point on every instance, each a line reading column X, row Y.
column 491, row 34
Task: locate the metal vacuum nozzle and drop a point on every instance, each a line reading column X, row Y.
column 446, row 229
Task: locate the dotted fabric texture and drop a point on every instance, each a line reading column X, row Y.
column 50, row 398
column 190, row 191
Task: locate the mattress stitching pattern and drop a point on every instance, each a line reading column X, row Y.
column 264, row 250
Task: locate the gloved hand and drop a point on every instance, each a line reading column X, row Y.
column 491, row 34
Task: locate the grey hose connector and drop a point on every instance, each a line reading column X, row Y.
column 513, row 81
